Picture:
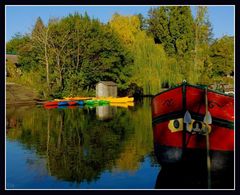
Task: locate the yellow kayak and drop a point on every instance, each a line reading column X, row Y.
column 77, row 98
column 116, row 100
column 121, row 104
column 59, row 100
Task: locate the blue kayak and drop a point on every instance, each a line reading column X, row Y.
column 64, row 103
column 80, row 102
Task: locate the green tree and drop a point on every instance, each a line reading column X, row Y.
column 40, row 41
column 14, row 45
column 58, row 40
column 126, row 27
column 143, row 21
column 158, row 27
column 72, row 54
column 181, row 28
column 222, row 57
column 203, row 36
column 172, row 26
column 150, row 69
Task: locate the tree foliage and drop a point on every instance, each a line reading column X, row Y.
column 70, row 55
column 172, row 27
column 222, row 56
column 126, row 27
column 75, row 53
column 203, row 36
column 150, row 68
column 14, row 45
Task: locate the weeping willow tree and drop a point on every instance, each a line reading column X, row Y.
column 172, row 27
column 152, row 68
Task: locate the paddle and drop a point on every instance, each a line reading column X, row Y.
column 187, row 119
column 207, row 120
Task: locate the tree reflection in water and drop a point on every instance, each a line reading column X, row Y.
column 77, row 145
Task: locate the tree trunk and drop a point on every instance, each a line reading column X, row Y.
column 47, row 67
column 60, row 71
column 46, row 60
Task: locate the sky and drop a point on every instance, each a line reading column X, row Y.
column 21, row 19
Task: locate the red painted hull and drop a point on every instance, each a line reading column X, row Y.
column 221, row 138
column 172, row 104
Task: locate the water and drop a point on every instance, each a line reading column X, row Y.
column 86, row 148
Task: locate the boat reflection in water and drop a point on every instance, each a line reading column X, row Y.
column 188, row 169
column 193, row 130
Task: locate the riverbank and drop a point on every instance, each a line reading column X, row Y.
column 18, row 94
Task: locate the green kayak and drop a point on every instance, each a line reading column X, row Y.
column 96, row 102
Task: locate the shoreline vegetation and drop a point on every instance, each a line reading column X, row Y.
column 143, row 55
column 20, row 95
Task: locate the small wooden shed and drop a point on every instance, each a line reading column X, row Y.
column 106, row 89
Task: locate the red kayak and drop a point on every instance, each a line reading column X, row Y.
column 52, row 103
column 50, row 107
column 72, row 103
column 170, row 107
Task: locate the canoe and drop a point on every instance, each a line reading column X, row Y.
column 77, row 98
column 103, row 102
column 96, row 102
column 90, row 102
column 50, row 107
column 60, row 100
column 115, row 99
column 122, row 104
column 171, row 133
column 63, row 103
column 80, row 102
column 121, row 100
column 51, row 103
column 72, row 103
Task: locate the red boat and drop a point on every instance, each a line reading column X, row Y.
column 192, row 103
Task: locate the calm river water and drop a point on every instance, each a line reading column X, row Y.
column 87, row 148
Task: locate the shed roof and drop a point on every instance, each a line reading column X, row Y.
column 108, row 83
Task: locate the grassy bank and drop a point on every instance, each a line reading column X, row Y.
column 18, row 94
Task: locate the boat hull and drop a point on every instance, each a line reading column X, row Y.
column 169, row 108
column 220, row 138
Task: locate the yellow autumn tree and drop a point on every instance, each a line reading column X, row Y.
column 126, row 27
